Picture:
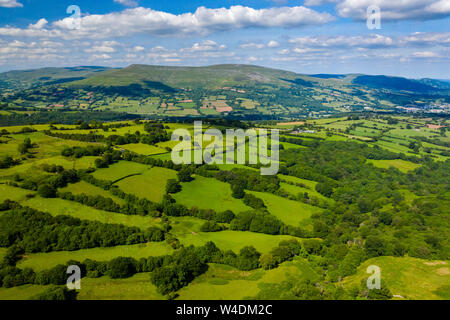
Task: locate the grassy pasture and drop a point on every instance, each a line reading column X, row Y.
column 13, row 193
column 151, row 184
column 295, row 190
column 309, row 183
column 402, row 165
column 222, row 282
column 64, row 207
column 144, row 149
column 209, row 193
column 25, row 292
column 32, row 166
column 137, row 287
column 42, row 261
column 89, row 189
column 408, row 277
column 119, row 170
column 288, row 211
column 233, row 240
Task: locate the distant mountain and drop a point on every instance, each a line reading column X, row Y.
column 393, row 83
column 189, row 77
column 242, row 90
column 23, row 79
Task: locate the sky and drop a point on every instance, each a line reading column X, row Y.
column 411, row 38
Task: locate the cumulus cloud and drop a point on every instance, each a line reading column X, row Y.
column 203, row 21
column 425, row 54
column 273, row 44
column 252, row 45
column 127, row 3
column 313, row 3
column 10, row 4
column 372, row 41
column 396, row 10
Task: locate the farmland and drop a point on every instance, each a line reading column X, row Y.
column 350, row 193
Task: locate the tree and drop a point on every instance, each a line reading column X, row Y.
column 24, row 146
column 121, row 267
column 46, row 191
column 237, row 191
column 184, row 175
column 173, row 186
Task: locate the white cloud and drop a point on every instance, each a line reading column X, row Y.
column 10, row 4
column 313, row 3
column 207, row 45
column 372, row 41
column 273, row 44
column 396, row 10
column 138, row 49
column 284, row 51
column 202, row 21
column 252, row 45
column 425, row 54
column 101, row 56
column 127, row 3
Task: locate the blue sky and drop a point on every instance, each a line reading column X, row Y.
column 310, row 36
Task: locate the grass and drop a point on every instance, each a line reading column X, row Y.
column 295, row 190
column 13, row 193
column 119, row 170
column 151, row 184
column 209, row 193
column 137, row 287
column 42, row 261
column 64, row 207
column 408, row 277
column 25, row 292
column 288, row 211
column 233, row 240
column 309, row 183
column 402, row 165
column 144, row 149
column 89, row 189
column 222, row 282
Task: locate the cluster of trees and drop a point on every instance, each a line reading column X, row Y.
column 285, row 251
column 79, row 152
column 7, row 162
column 108, row 158
column 36, row 231
column 97, row 201
column 249, row 179
column 24, row 147
column 47, row 186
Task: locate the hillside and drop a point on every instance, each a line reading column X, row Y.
column 238, row 91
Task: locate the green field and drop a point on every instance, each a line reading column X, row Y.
column 151, row 184
column 120, row 170
column 208, row 193
column 42, row 261
column 288, row 211
column 233, row 240
column 13, row 193
column 64, row 207
column 409, row 278
column 402, row 165
column 137, row 287
column 222, row 282
column 83, row 187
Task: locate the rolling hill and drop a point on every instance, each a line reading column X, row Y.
column 243, row 91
